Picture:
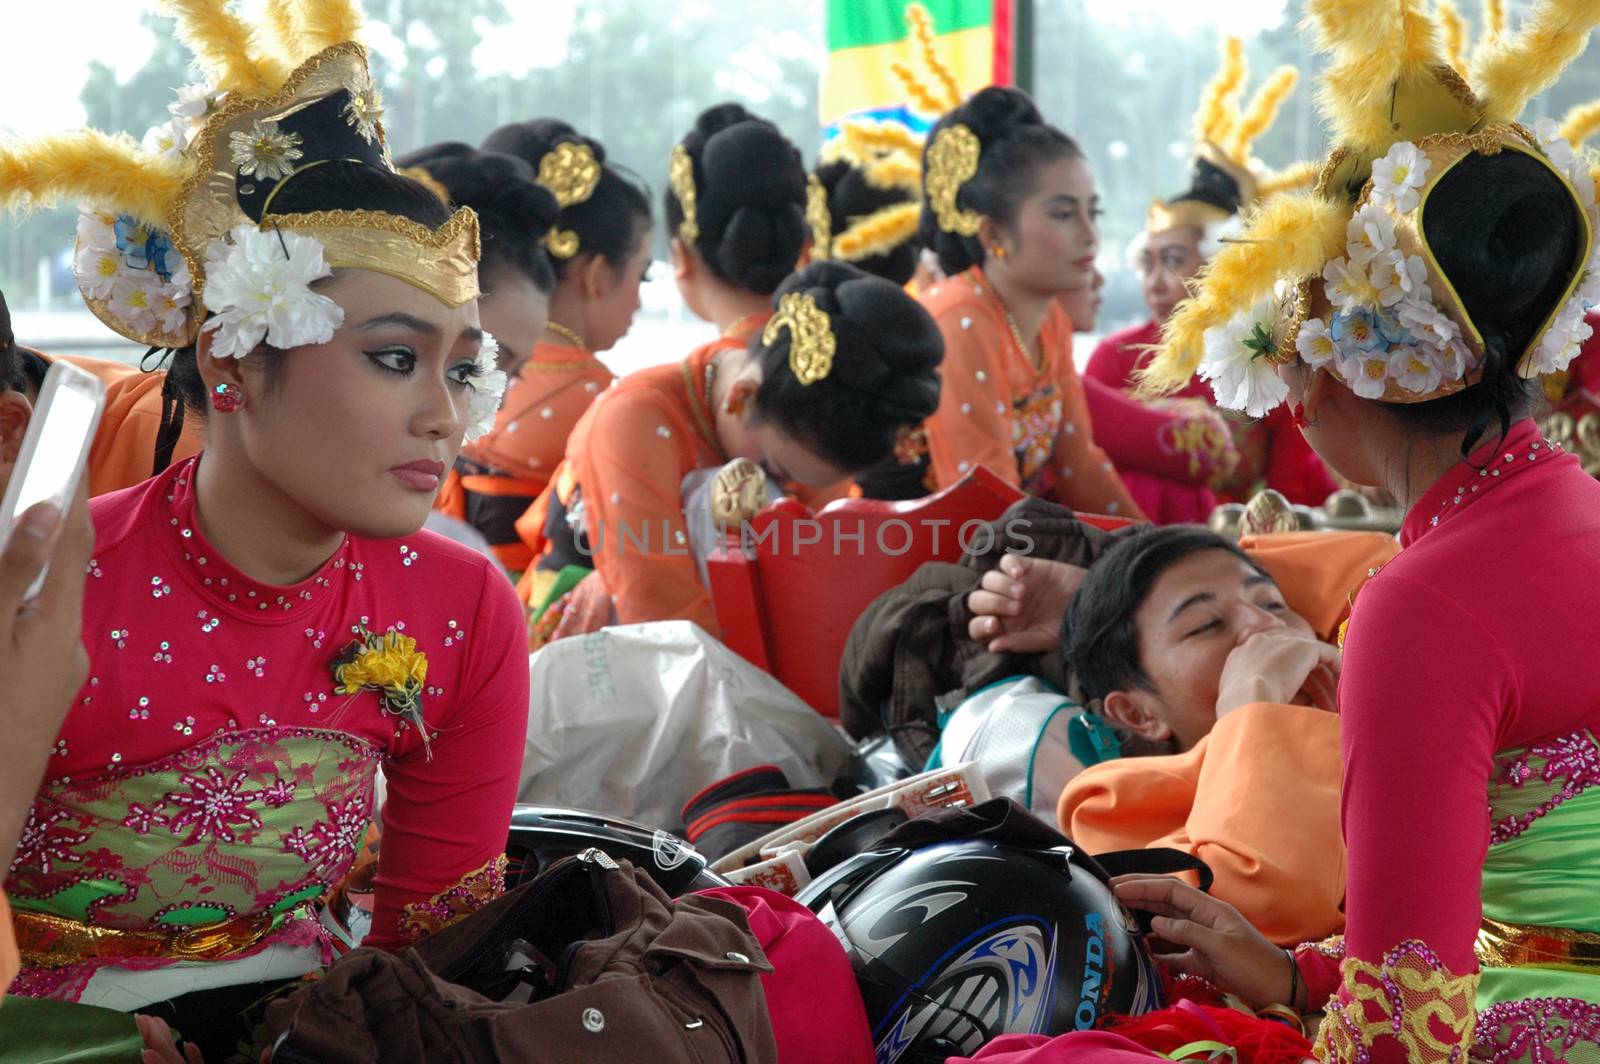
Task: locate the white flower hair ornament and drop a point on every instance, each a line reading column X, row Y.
column 258, row 289
column 1238, row 364
column 486, row 387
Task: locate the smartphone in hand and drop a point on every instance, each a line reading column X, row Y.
column 55, row 449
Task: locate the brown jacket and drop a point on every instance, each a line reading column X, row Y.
column 621, row 973
column 911, row 646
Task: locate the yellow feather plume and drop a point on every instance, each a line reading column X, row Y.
column 1455, row 34
column 921, row 24
column 1219, row 104
column 325, row 23
column 1581, row 123
column 922, row 98
column 878, row 233
column 285, row 40
column 1419, row 39
column 1292, row 236
column 1363, row 40
column 1494, row 19
column 866, row 140
column 896, row 171
column 93, row 168
column 1262, row 112
column 221, row 44
column 1298, row 176
column 1512, row 70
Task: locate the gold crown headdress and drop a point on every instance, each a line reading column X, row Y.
column 1342, row 278
column 887, row 154
column 1226, row 179
column 571, row 172
column 161, row 221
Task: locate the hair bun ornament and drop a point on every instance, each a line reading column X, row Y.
column 680, row 176
column 952, row 161
column 571, row 172
column 819, row 219
column 812, row 345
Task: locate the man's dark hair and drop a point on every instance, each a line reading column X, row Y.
column 1099, row 636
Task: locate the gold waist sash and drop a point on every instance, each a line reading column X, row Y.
column 1502, row 945
column 53, row 941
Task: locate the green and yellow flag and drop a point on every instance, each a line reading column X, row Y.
column 969, row 39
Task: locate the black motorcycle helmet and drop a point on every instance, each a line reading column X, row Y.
column 541, row 836
column 961, row 941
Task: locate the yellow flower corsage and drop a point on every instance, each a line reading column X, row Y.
column 389, row 665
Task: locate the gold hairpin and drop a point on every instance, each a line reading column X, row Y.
column 952, row 162
column 571, row 172
column 680, row 175
column 819, row 219
column 812, row 344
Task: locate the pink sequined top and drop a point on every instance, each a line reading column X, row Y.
column 210, row 770
column 1478, row 638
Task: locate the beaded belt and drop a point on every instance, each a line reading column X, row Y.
column 53, row 941
column 1502, row 945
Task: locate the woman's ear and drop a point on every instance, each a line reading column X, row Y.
column 683, row 264
column 1135, row 712
column 15, row 413
column 215, row 371
column 597, row 276
column 741, row 395
column 992, row 235
column 1317, row 390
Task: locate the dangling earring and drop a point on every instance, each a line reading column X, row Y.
column 1300, row 419
column 225, row 398
column 999, row 251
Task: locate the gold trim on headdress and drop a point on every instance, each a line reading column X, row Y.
column 680, row 176
column 951, row 161
column 571, row 172
column 819, row 219
column 442, row 262
column 812, row 344
column 879, row 232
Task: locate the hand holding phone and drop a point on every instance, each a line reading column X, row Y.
column 55, row 449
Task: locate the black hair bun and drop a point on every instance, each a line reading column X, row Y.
column 852, row 195
column 996, row 112
column 889, row 347
column 750, row 197
column 536, row 138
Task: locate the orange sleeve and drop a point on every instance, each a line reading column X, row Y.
column 1318, row 572
column 541, row 408
column 630, row 474
column 1086, row 478
column 9, row 960
column 124, row 447
column 972, row 426
column 1266, row 819
column 1126, row 803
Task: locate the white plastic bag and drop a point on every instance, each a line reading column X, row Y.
column 634, row 720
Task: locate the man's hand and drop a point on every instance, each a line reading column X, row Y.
column 1280, row 666
column 1019, row 606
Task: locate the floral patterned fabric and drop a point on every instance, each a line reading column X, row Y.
column 212, row 770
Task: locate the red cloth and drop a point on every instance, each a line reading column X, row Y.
column 164, row 613
column 1273, row 452
column 1478, row 637
column 817, row 1014
column 1161, row 479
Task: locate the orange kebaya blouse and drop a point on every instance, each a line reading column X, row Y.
column 1028, row 424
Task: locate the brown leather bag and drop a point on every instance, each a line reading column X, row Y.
column 588, row 962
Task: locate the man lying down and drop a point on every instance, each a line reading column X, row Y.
column 1203, row 652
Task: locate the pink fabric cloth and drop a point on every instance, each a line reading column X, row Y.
column 1477, row 637
column 184, row 647
column 1078, row 1047
column 816, row 1010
